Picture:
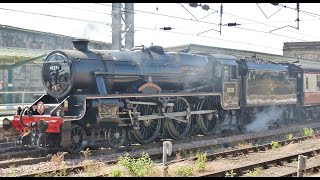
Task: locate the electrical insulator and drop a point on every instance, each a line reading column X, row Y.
column 275, row 4
column 193, row 4
column 232, row 24
column 166, row 28
column 205, row 7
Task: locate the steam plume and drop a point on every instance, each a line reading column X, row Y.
column 265, row 118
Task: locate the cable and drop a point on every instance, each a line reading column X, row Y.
column 94, row 11
column 279, row 21
column 63, row 17
column 218, row 24
column 208, row 15
column 268, row 33
column 109, row 24
column 302, row 11
column 306, row 12
column 202, row 21
column 265, row 14
column 215, row 23
column 188, row 11
column 269, row 25
column 208, row 37
column 165, row 15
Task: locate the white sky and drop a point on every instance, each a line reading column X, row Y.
column 147, row 24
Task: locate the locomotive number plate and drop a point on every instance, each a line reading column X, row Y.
column 54, row 67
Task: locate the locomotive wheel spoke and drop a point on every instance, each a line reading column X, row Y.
column 149, row 129
column 116, row 137
column 177, row 129
column 78, row 136
column 208, row 123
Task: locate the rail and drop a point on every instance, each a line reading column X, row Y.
column 76, row 168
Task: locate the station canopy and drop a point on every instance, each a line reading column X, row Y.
column 12, row 56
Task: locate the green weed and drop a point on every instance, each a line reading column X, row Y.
column 140, row 167
column 201, row 161
column 184, row 171
column 274, row 145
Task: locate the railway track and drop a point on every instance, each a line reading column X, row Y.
column 311, row 169
column 27, row 152
column 13, row 152
column 157, row 154
column 265, row 164
column 77, row 168
column 7, row 145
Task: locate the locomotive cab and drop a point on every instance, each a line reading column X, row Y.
column 225, row 79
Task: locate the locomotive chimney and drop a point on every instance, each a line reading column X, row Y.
column 81, row 44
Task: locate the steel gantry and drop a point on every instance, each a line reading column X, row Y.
column 123, row 14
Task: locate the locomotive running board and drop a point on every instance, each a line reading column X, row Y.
column 107, row 96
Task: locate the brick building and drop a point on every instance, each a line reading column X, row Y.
column 303, row 50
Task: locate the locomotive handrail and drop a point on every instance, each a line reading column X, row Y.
column 134, row 74
column 58, row 105
column 196, row 88
column 80, row 116
column 20, row 117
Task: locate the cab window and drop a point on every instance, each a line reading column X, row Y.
column 226, row 73
column 229, row 72
column 233, row 72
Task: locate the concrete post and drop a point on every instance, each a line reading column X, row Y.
column 301, row 165
column 129, row 25
column 10, row 85
column 167, row 150
column 23, row 94
column 116, row 26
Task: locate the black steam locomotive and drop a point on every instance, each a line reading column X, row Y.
column 147, row 93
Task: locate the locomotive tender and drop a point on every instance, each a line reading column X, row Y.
column 147, row 93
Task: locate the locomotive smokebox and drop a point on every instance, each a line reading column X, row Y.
column 81, row 44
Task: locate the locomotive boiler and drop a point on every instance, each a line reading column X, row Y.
column 110, row 72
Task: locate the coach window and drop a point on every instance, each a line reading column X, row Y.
column 318, row 82
column 307, row 83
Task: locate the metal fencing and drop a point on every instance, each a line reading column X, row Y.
column 20, row 98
